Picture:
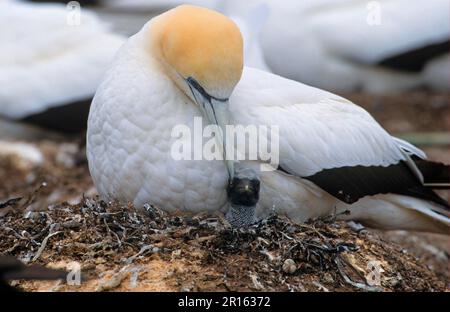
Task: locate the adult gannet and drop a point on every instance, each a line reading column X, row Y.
column 345, row 45
column 333, row 156
column 51, row 63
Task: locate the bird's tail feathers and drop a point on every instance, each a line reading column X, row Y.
column 409, row 148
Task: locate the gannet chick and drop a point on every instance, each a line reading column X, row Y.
column 243, row 196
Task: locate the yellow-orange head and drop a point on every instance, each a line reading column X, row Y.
column 200, row 43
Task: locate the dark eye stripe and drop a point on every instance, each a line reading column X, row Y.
column 192, row 82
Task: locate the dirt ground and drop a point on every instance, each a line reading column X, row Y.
column 50, row 215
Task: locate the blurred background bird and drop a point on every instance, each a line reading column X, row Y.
column 344, row 45
column 51, row 62
column 50, row 65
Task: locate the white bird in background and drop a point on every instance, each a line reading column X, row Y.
column 250, row 26
column 346, row 45
column 437, row 73
column 154, row 5
column 334, row 157
column 50, row 66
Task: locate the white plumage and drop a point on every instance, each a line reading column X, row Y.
column 137, row 106
column 337, row 44
column 45, row 62
column 320, row 130
column 251, row 25
column 154, row 5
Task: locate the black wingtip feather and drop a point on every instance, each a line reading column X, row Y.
column 349, row 184
column 415, row 60
column 434, row 172
column 70, row 118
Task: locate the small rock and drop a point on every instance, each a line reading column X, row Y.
column 100, row 268
column 328, row 278
column 72, row 224
column 111, row 283
column 357, row 227
column 176, row 253
column 289, row 266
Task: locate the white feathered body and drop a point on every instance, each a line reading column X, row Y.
column 137, row 105
column 129, row 141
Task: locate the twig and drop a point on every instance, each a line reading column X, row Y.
column 15, row 233
column 43, row 244
column 312, row 228
column 286, row 236
column 10, row 202
column 320, row 286
column 141, row 252
column 35, row 237
column 111, row 231
column 354, row 284
column 32, row 197
column 352, row 267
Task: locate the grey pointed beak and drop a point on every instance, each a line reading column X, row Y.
column 216, row 112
